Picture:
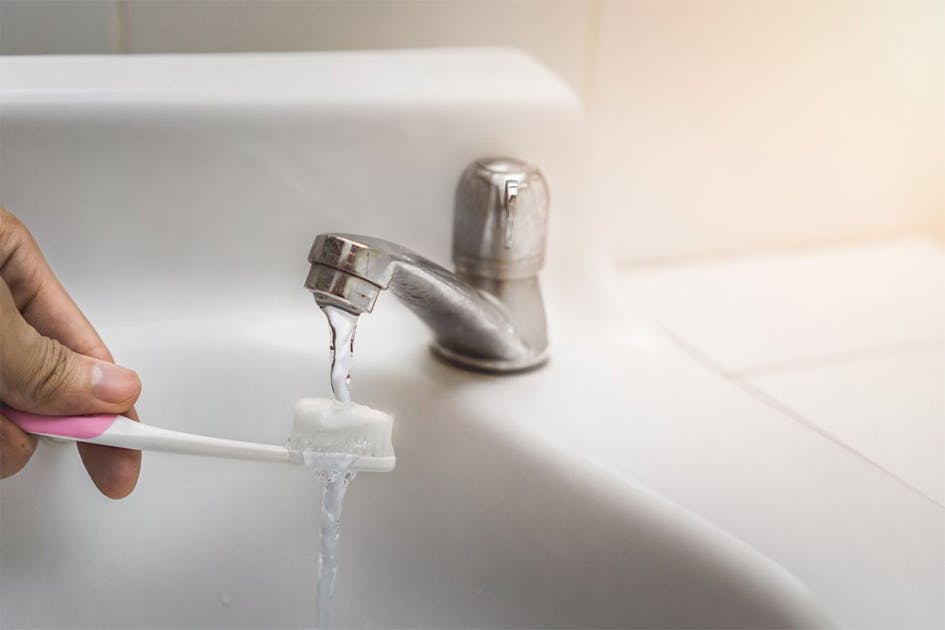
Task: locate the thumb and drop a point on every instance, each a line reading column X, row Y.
column 42, row 375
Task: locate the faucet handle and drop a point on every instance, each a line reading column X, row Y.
column 500, row 219
column 511, row 199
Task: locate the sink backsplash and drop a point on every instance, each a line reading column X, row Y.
column 216, row 171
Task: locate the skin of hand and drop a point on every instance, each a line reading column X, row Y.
column 53, row 362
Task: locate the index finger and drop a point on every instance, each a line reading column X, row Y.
column 38, row 294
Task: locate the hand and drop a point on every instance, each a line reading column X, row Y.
column 53, row 362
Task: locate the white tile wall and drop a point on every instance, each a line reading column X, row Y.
column 57, row 26
column 727, row 126
column 718, row 126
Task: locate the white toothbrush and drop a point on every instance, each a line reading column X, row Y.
column 321, row 428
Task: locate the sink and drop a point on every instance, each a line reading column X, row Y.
column 477, row 527
column 177, row 196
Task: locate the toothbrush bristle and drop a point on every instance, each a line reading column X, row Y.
column 328, row 427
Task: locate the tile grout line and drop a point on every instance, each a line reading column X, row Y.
column 874, row 352
column 793, row 414
column 702, row 359
column 119, row 27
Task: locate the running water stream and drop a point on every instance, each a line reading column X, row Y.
column 336, row 482
column 343, row 326
column 337, row 477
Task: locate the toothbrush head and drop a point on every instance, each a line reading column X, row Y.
column 330, row 434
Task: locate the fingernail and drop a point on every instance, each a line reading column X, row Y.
column 113, row 383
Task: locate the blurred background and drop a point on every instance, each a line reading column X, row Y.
column 718, row 126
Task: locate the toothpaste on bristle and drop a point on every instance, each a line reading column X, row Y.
column 328, row 426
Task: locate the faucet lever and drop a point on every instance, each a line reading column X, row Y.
column 511, row 197
column 500, row 220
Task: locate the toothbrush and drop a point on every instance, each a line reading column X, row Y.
column 322, row 430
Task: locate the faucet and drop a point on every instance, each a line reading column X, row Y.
column 488, row 315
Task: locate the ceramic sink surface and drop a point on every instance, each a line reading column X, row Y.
column 619, row 486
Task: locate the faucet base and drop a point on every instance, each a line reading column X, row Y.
column 491, row 366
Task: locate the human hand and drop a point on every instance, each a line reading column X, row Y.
column 53, row 362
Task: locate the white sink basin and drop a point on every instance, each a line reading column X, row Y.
column 177, row 198
column 476, row 527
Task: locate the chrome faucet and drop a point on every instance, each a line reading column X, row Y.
column 489, row 314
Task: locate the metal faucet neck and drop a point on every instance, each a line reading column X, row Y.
column 488, row 315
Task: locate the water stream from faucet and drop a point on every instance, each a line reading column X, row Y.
column 336, row 482
column 337, row 477
column 343, row 325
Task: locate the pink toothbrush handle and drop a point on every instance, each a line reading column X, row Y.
column 74, row 427
column 112, row 430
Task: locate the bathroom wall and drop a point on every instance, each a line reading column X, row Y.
column 717, row 126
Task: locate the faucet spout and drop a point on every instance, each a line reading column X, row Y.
column 489, row 314
column 471, row 326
